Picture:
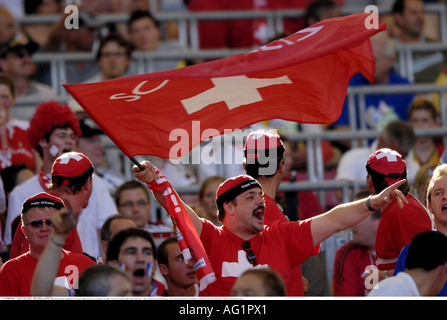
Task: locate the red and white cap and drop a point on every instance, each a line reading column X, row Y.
column 231, row 188
column 70, row 165
column 259, row 141
column 389, row 163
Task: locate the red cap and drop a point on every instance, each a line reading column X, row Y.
column 231, row 188
column 389, row 163
column 42, row 199
column 70, row 165
column 261, row 140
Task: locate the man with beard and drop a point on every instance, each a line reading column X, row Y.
column 53, row 131
column 268, row 159
column 243, row 242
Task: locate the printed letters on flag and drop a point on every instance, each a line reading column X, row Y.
column 303, row 78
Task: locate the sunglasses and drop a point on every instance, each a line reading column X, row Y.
column 250, row 254
column 39, row 223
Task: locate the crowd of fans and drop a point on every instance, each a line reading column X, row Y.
column 99, row 219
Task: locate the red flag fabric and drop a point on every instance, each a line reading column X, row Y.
column 303, row 78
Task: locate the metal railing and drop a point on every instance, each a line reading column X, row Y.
column 315, row 166
column 144, row 61
column 188, row 30
column 188, row 21
column 406, row 52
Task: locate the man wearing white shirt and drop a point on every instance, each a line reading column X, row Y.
column 53, row 131
column 425, row 269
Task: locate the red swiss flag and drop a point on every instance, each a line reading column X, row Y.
column 303, row 77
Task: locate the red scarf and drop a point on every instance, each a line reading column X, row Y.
column 189, row 241
column 44, row 180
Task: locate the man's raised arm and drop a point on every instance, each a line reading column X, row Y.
column 149, row 176
column 347, row 215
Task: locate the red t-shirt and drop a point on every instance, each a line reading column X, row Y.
column 19, row 152
column 349, row 267
column 16, row 274
column 272, row 214
column 281, row 246
column 397, row 228
column 272, row 211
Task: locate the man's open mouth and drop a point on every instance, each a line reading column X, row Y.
column 259, row 213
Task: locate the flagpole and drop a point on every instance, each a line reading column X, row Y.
column 137, row 163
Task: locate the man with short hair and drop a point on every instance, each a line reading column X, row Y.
column 132, row 200
column 259, row 282
column 425, row 269
column 409, row 21
column 114, row 56
column 112, row 226
column 408, row 16
column 53, row 132
column 144, row 31
column 180, row 276
column 37, row 212
column 244, row 243
column 134, row 251
column 145, row 36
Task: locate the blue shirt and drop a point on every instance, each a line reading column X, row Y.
column 400, row 266
column 380, row 109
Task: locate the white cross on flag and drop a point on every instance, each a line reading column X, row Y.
column 303, row 78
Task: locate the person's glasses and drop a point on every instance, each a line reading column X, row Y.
column 39, row 223
column 250, row 254
column 130, row 204
column 63, row 136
